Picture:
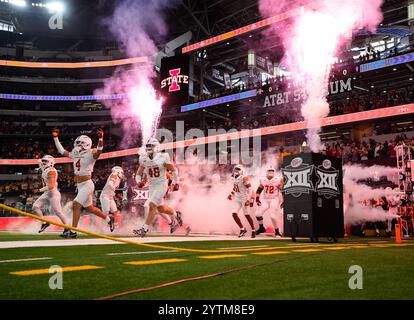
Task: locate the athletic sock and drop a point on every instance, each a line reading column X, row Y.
column 145, row 227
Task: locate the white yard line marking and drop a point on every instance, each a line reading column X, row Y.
column 264, row 246
column 24, row 260
column 94, row 241
column 139, row 252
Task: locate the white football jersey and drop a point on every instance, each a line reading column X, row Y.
column 83, row 162
column 45, row 176
column 240, row 190
column 109, row 188
column 271, row 190
column 154, row 168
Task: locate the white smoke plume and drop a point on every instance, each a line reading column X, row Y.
column 137, row 25
column 319, row 29
column 356, row 193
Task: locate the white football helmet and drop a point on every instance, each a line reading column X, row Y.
column 152, row 146
column 46, row 162
column 238, row 170
column 118, row 171
column 83, row 142
column 270, row 172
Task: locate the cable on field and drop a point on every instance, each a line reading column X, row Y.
column 208, row 276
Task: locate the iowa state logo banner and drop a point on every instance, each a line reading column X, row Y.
column 175, row 80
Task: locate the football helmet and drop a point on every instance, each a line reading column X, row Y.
column 46, row 162
column 118, row 171
column 238, row 170
column 270, row 172
column 152, row 146
column 83, row 142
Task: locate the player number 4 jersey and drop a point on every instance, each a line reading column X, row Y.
column 83, row 162
column 271, row 190
column 154, row 168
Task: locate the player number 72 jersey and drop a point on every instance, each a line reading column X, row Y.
column 271, row 190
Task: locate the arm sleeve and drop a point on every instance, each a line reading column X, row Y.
column 59, row 146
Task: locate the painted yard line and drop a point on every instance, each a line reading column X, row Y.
column 222, row 256
column 361, row 246
column 307, row 250
column 46, row 271
column 379, row 241
column 336, row 248
column 270, row 253
column 148, row 262
column 139, row 252
column 303, row 244
column 264, row 246
column 25, row 260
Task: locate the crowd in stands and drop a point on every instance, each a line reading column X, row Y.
column 348, row 151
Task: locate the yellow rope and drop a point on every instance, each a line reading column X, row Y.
column 26, row 214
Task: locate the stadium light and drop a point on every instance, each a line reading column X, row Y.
column 52, row 6
column 55, row 6
column 19, row 3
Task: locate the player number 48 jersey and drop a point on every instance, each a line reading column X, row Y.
column 271, row 190
column 154, row 168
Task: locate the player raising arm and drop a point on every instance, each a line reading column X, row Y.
column 84, row 158
column 154, row 165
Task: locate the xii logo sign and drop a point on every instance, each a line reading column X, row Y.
column 328, row 180
column 297, row 178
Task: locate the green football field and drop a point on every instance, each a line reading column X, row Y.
column 247, row 269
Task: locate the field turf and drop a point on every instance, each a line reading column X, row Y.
column 301, row 271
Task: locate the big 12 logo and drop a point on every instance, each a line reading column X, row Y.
column 297, row 178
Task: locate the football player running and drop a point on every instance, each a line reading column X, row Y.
column 154, row 165
column 50, row 193
column 243, row 197
column 84, row 158
column 106, row 198
column 271, row 186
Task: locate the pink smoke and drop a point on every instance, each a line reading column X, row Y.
column 311, row 42
column 137, row 25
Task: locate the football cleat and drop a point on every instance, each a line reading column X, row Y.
column 253, row 234
column 174, row 226
column 187, row 230
column 140, row 232
column 260, row 230
column 242, row 232
column 111, row 223
column 68, row 234
column 44, row 227
column 179, row 218
column 277, row 233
